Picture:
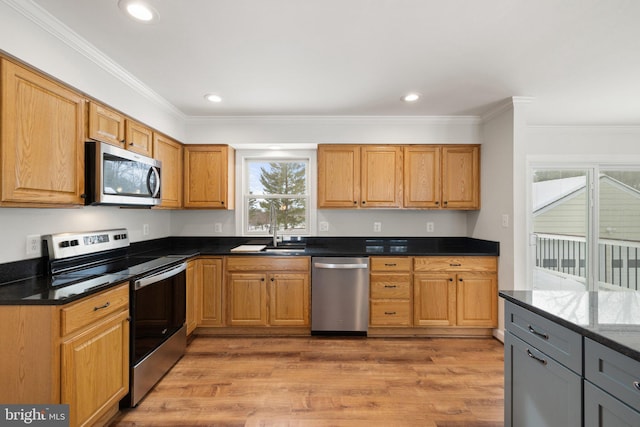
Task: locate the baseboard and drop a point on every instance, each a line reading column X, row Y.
column 499, row 335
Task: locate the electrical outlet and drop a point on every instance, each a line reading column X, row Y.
column 33, row 245
column 505, row 220
column 145, row 229
column 324, row 226
column 430, row 227
column 217, row 227
column 377, row 227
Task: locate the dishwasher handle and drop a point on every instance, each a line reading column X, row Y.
column 340, row 266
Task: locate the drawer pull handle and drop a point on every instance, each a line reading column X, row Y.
column 390, row 264
column 531, row 355
column 105, row 305
column 455, row 265
column 390, row 313
column 390, row 286
column 540, row 334
column 636, row 384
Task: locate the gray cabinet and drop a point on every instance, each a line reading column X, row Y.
column 540, row 389
column 611, row 387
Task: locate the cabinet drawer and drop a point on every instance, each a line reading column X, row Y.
column 601, row 409
column 390, row 264
column 465, row 263
column 80, row 314
column 560, row 343
column 390, row 286
column 390, row 313
column 267, row 263
column 616, row 373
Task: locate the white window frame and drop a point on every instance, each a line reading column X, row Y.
column 593, row 169
column 242, row 181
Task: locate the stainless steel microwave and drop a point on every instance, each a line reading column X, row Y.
column 115, row 176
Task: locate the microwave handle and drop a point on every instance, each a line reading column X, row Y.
column 155, row 192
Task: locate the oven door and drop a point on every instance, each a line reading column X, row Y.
column 158, row 310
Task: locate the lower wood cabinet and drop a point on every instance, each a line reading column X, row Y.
column 267, row 291
column 390, row 291
column 77, row 354
column 204, row 293
column 435, row 295
column 456, row 291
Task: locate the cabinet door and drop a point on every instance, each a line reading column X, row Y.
column 338, row 176
column 381, row 177
column 210, row 292
column 289, row 299
column 434, row 299
column 42, row 139
column 247, row 299
column 138, row 138
column 477, row 301
column 207, row 177
column 95, row 369
column 169, row 152
column 539, row 392
column 422, row 176
column 603, row 410
column 461, row 177
column 106, row 125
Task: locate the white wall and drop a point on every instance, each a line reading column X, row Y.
column 18, row 223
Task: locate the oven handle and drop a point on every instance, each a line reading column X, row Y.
column 165, row 274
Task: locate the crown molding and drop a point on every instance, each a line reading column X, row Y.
column 506, row 105
column 425, row 120
column 56, row 28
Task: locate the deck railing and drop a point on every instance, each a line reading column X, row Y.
column 619, row 259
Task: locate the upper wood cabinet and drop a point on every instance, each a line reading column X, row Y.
column 354, row 176
column 396, row 176
column 110, row 126
column 105, row 125
column 169, row 152
column 138, row 138
column 209, row 172
column 461, row 177
column 422, row 185
column 41, row 140
column 381, row 176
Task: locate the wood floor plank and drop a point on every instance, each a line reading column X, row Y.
column 329, row 381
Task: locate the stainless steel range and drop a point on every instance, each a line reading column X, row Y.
column 84, row 263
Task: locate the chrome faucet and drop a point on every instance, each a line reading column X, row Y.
column 274, row 225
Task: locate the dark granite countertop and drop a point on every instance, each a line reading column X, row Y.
column 611, row 318
column 22, row 279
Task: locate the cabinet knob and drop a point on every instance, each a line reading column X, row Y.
column 445, row 203
column 222, row 202
column 131, row 144
column 272, row 279
column 390, row 313
column 451, row 279
column 437, row 203
column 355, row 202
column 460, row 279
column 364, row 202
column 262, row 280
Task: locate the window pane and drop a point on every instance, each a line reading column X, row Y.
column 277, row 177
column 291, row 214
column 560, row 224
column 619, row 227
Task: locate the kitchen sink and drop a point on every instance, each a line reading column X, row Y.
column 286, row 248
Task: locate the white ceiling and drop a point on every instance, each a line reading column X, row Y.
column 578, row 59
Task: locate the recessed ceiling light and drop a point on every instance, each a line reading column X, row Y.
column 212, row 97
column 139, row 10
column 411, row 97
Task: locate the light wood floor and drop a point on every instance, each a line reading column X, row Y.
column 318, row 381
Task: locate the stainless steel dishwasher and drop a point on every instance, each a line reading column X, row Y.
column 339, row 295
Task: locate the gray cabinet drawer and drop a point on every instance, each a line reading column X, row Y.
column 602, row 410
column 613, row 372
column 539, row 392
column 558, row 342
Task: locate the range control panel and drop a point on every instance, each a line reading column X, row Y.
column 65, row 245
